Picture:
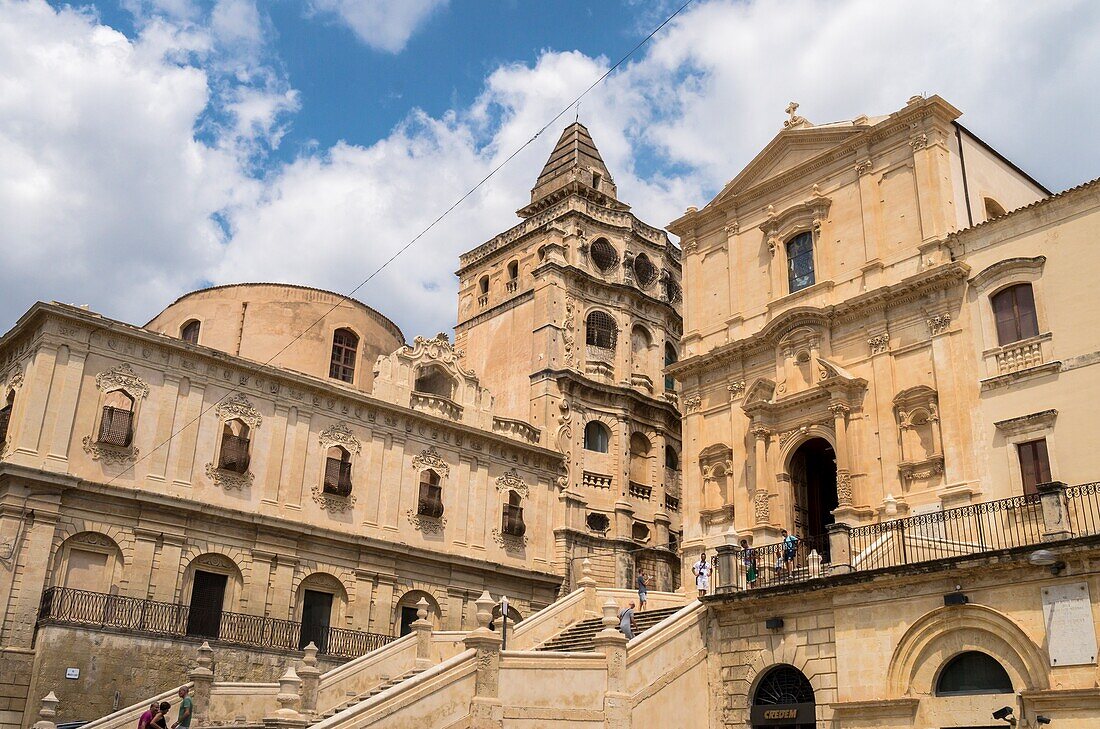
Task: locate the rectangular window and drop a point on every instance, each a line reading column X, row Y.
column 800, row 262
column 1034, row 465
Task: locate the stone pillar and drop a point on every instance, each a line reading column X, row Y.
column 612, row 644
column 761, row 497
column 287, row 715
column 486, row 710
column 311, row 679
column 202, row 679
column 729, row 559
column 145, row 547
column 840, row 549
column 588, row 583
column 48, row 712
column 843, row 469
column 1052, row 498
column 422, row 627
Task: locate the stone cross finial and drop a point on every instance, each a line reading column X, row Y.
column 795, row 120
column 791, row 109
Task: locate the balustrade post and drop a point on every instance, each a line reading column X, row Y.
column 486, row 709
column 48, row 712
column 588, row 583
column 311, row 679
column 422, row 626
column 289, row 699
column 1052, row 500
column 612, row 643
column 202, row 679
column 840, row 549
column 729, row 554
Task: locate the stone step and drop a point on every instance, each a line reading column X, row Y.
column 581, row 636
column 343, row 706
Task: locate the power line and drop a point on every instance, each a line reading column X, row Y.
column 345, row 297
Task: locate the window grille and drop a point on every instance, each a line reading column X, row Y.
column 430, row 502
column 783, row 685
column 645, row 273
column 116, row 427
column 800, row 261
column 971, row 673
column 345, row 343
column 600, row 330
column 673, row 292
column 512, row 521
column 597, row 522
column 604, row 255
column 337, row 476
column 1014, row 310
column 234, row 454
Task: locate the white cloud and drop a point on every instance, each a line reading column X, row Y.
column 385, row 25
column 108, row 196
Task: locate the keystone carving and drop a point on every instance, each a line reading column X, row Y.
column 511, row 481
column 237, row 407
column 122, row 377
column 430, row 459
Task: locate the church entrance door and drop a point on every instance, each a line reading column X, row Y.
column 813, row 479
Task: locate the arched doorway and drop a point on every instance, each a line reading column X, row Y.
column 784, row 699
column 813, row 482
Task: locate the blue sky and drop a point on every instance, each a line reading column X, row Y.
column 150, row 147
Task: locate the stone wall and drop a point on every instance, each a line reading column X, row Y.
column 15, row 679
column 133, row 667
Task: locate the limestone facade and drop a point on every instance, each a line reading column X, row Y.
column 570, row 318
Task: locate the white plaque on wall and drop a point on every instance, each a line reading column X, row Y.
column 1071, row 634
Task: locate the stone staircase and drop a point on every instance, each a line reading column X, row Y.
column 578, row 637
column 352, row 701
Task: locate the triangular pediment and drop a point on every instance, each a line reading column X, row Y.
column 788, row 150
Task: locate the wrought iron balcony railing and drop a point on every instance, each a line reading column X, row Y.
column 66, row 606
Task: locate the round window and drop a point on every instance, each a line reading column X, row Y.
column 604, row 255
column 644, row 271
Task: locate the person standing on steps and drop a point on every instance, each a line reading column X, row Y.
column 701, row 570
column 643, row 589
column 186, row 706
column 626, row 621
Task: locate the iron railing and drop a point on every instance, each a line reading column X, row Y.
column 973, row 529
column 116, row 427
column 777, row 564
column 66, row 606
column 234, row 453
column 1083, row 503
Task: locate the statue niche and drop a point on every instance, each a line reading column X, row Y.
column 716, row 463
column 917, row 412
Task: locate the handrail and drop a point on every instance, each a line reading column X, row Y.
column 354, row 665
column 130, row 714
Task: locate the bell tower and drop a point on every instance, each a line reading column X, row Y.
column 570, row 317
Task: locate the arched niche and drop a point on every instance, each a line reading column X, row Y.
column 89, row 561
column 214, row 565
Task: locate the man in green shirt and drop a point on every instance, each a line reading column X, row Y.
column 184, row 721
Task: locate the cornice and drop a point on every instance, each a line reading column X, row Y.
column 612, row 391
column 284, row 387
column 908, row 289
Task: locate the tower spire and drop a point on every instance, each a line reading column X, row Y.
column 575, row 165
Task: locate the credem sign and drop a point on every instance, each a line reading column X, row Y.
column 779, row 714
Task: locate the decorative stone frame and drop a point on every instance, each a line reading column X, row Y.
column 337, row 434
column 429, row 460
column 120, row 378
column 1025, row 358
column 916, row 402
column 234, row 407
column 1027, row 428
column 779, row 228
column 99, row 543
column 716, row 461
column 13, row 382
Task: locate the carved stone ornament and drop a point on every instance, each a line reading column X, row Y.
column 93, row 539
column 122, row 377
column 879, row 343
column 938, row 324
column 13, row 379
column 736, row 389
column 108, row 453
column 794, row 121
column 863, row 167
column 339, row 434
column 691, row 245
column 430, row 459
column 438, row 348
column 237, row 407
column 426, row 524
column 333, row 503
column 761, row 507
column 844, row 489
column 693, row 403
column 511, row 481
column 919, row 142
column 510, row 542
column 569, row 336
column 229, row 480
column 217, row 561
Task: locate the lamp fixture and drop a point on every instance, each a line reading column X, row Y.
column 1047, row 558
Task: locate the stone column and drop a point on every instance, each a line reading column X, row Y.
column 1052, row 498
column 422, row 627
column 761, row 497
column 612, row 644
column 48, row 712
column 486, row 710
column 729, row 560
column 843, row 470
column 840, row 549
column 202, row 679
column 311, row 679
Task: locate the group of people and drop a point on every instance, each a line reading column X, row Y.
column 156, row 716
column 784, row 562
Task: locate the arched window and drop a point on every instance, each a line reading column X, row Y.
column 483, row 285
column 338, row 471
column 800, row 261
column 512, row 517
column 189, row 332
column 600, row 330
column 993, row 209
column 430, row 501
column 513, row 270
column 596, row 437
column 645, row 273
column 597, row 522
column 234, row 453
column 5, row 415
column 1014, row 311
column 432, row 380
column 640, row 342
column 784, row 686
column 973, row 673
column 672, row 460
column 116, row 427
column 670, row 359
column 345, row 343
column 604, row 255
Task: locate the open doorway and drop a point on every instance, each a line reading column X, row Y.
column 316, row 614
column 204, row 616
column 813, row 480
column 408, row 617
